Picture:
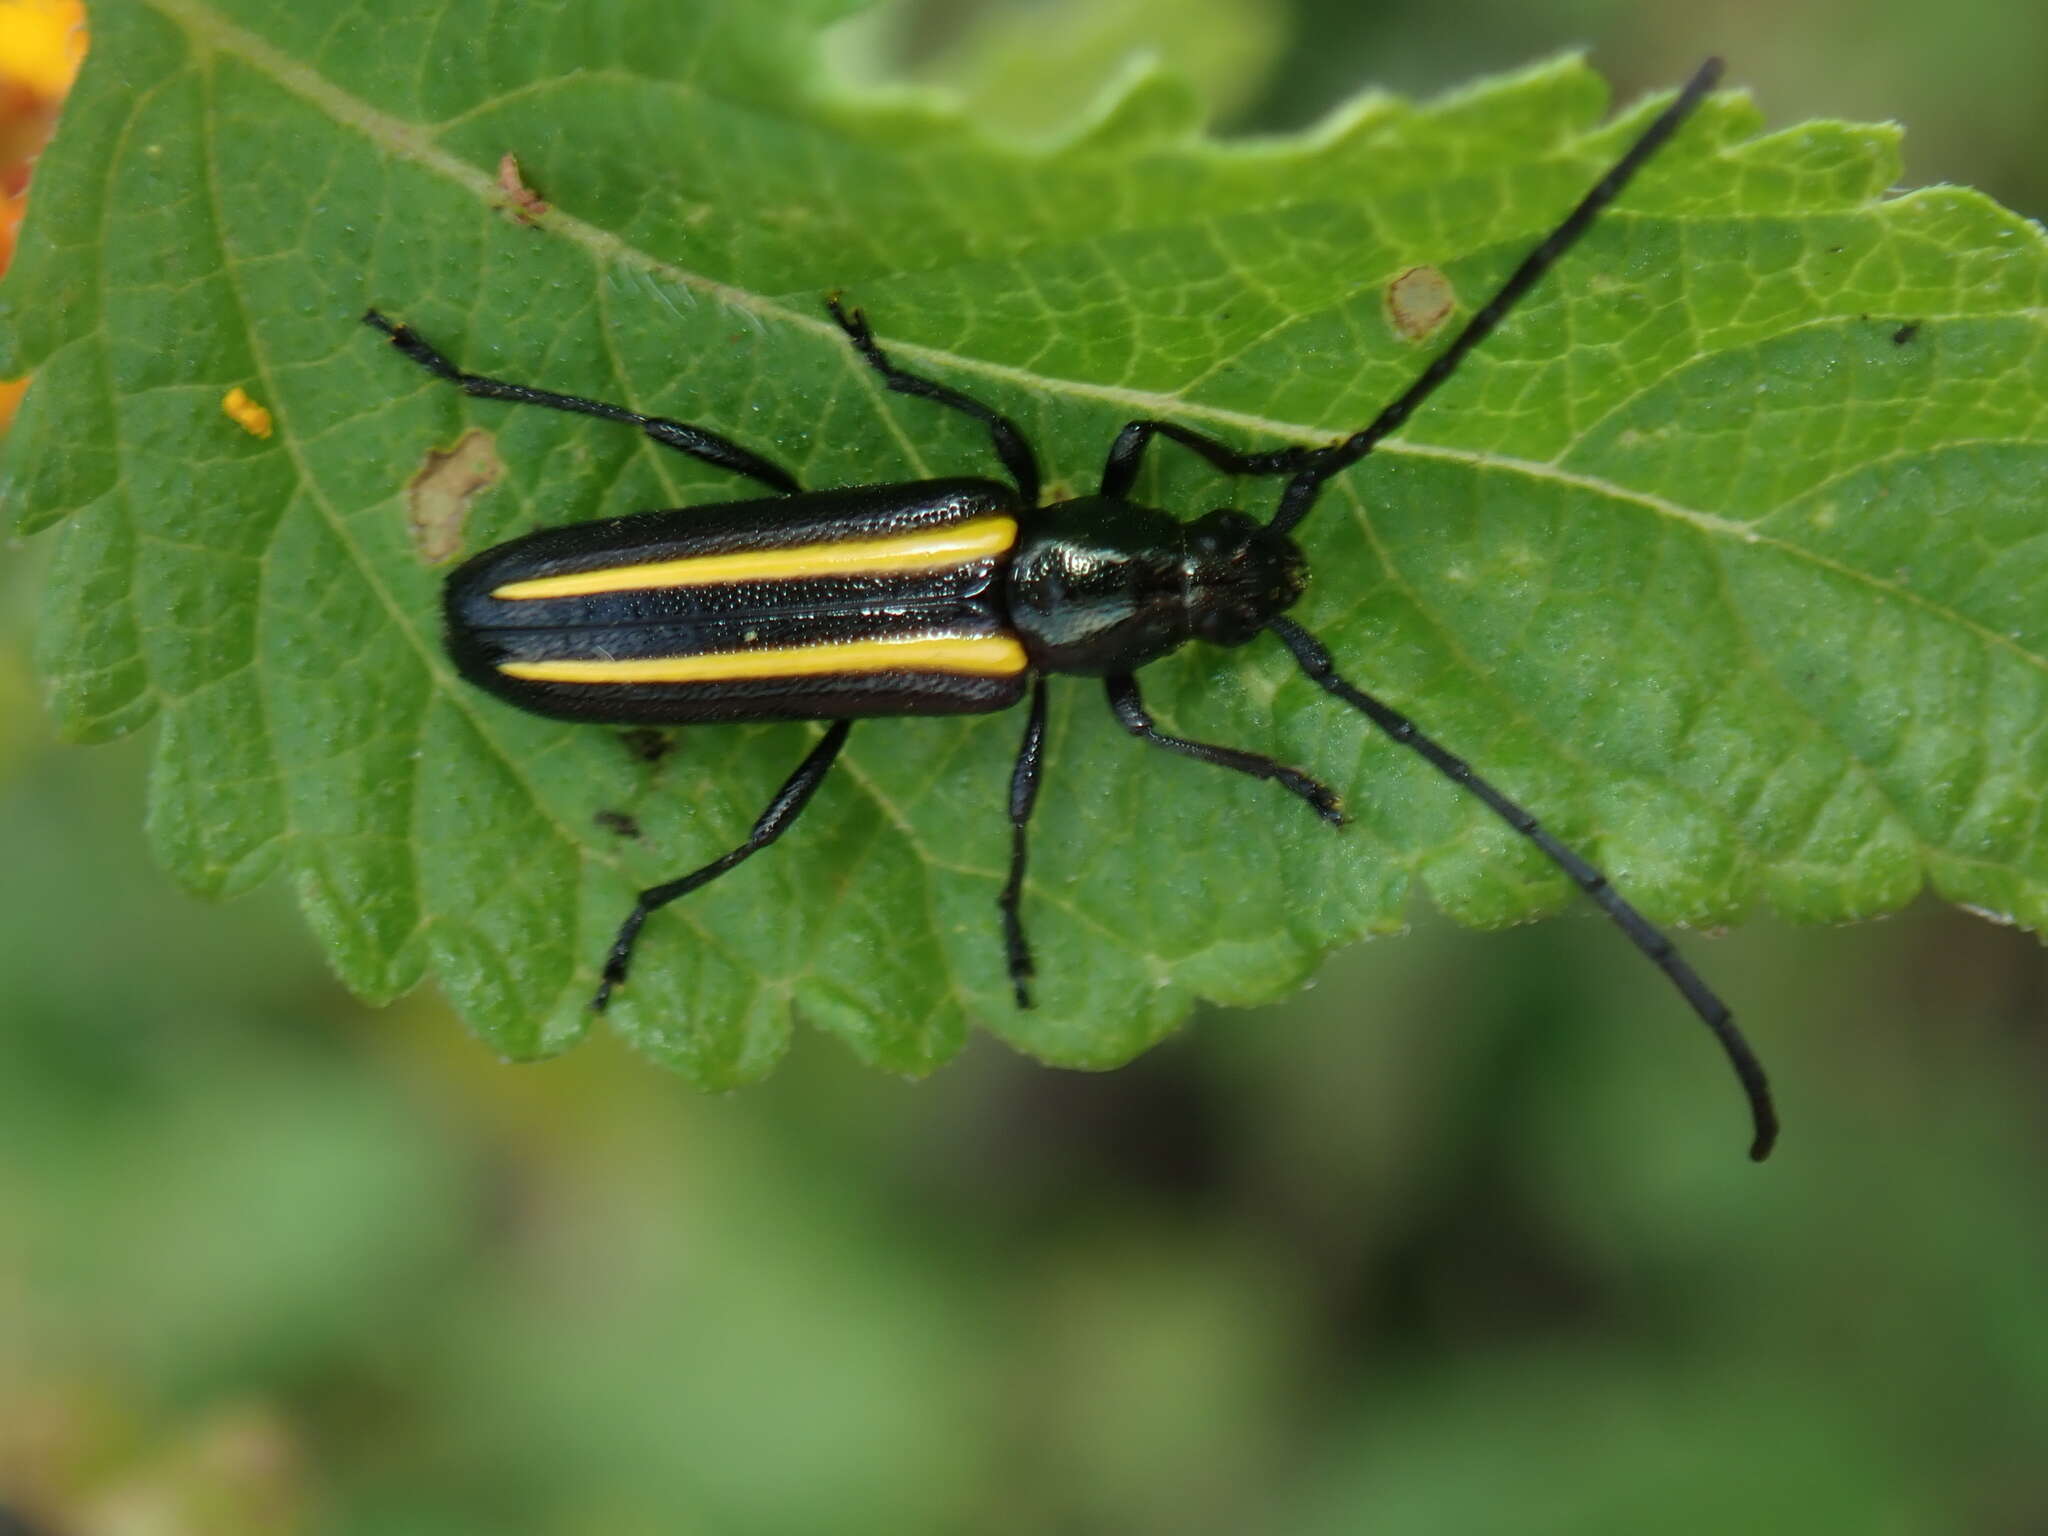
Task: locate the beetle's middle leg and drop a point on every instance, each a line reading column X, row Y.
column 1023, row 796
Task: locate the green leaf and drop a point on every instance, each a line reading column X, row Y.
column 1723, row 556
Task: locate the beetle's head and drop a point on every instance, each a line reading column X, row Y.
column 1239, row 574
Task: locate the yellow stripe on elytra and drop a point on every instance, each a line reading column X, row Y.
column 976, row 655
column 927, row 549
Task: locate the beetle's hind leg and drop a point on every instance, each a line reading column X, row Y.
column 721, row 452
column 1010, row 443
column 782, row 811
column 1120, row 470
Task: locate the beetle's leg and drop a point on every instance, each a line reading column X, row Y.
column 784, row 809
column 1121, row 468
column 1023, row 795
column 681, row 436
column 1010, row 444
column 1315, row 662
column 1129, row 708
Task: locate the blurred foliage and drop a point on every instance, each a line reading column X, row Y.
column 1460, row 1241
column 1035, row 70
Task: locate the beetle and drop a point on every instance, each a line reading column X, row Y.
column 959, row 596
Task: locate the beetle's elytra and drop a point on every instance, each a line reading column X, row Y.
column 957, row 596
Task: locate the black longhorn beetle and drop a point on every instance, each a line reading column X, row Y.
column 957, row 596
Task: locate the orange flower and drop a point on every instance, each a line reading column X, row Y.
column 41, row 42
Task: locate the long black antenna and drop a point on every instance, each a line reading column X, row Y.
column 1645, row 935
column 1300, row 494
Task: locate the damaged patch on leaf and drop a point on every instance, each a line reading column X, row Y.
column 522, row 203
column 1418, row 301
column 437, row 498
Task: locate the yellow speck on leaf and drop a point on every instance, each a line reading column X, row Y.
column 245, row 413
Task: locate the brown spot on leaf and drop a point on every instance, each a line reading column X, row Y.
column 619, row 822
column 437, row 498
column 1418, row 301
column 646, row 743
column 521, row 201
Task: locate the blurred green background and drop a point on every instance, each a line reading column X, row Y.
column 1460, row 1241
